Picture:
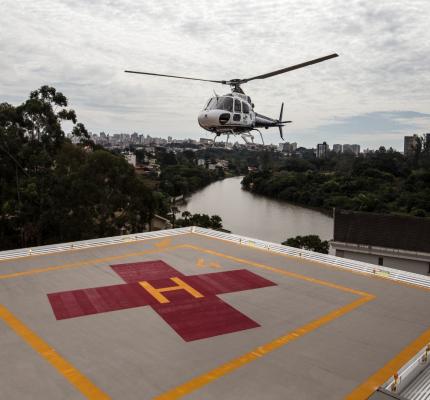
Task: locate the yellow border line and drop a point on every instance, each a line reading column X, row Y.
column 361, row 392
column 125, row 242
column 258, row 352
column 76, row 378
column 278, row 270
column 208, row 377
column 364, row 390
column 204, row 379
column 89, row 262
column 321, row 263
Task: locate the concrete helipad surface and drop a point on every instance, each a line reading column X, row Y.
column 200, row 318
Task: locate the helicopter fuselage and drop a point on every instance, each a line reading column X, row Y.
column 232, row 113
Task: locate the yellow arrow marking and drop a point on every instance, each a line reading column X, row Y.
column 200, row 263
column 163, row 243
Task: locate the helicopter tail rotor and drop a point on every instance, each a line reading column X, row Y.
column 281, row 123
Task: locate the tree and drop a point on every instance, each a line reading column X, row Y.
column 174, row 210
column 54, row 189
column 186, row 215
column 203, row 220
column 216, row 222
column 309, row 242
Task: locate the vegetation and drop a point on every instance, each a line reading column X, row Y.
column 183, row 179
column 203, row 220
column 52, row 190
column 309, row 242
column 384, row 181
column 55, row 188
column 240, row 159
column 180, row 174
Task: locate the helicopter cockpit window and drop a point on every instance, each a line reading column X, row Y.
column 225, row 103
column 245, row 108
column 211, row 103
column 221, row 103
column 237, row 106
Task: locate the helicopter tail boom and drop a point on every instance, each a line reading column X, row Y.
column 261, row 121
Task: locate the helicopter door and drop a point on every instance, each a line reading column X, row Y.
column 237, row 117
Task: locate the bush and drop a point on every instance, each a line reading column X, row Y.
column 309, row 242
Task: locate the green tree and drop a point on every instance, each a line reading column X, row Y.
column 203, row 220
column 309, row 242
column 54, row 189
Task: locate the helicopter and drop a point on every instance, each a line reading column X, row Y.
column 233, row 113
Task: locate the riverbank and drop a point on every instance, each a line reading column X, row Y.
column 380, row 182
column 325, row 211
column 257, row 216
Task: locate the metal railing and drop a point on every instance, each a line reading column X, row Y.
column 359, row 266
column 85, row 244
column 403, row 382
column 353, row 265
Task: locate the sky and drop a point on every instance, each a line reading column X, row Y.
column 376, row 92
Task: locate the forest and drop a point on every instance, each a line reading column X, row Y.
column 384, row 181
column 56, row 188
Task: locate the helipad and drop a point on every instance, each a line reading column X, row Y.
column 191, row 316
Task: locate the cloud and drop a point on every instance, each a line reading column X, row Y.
column 83, row 47
column 384, row 121
column 368, row 129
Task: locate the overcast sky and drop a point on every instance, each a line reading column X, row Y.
column 377, row 91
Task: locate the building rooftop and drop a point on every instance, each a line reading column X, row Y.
column 197, row 314
column 383, row 230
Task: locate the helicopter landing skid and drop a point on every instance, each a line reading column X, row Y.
column 247, row 135
column 261, row 135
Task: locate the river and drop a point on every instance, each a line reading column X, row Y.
column 256, row 216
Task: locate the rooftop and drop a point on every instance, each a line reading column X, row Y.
column 197, row 314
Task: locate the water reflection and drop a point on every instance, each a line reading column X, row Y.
column 256, row 216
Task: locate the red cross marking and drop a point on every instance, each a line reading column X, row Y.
column 189, row 304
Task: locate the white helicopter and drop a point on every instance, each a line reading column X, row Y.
column 233, row 113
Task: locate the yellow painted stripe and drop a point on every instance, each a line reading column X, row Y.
column 368, row 387
column 280, row 271
column 163, row 243
column 160, row 244
column 261, row 351
column 323, row 264
column 84, row 263
column 79, row 381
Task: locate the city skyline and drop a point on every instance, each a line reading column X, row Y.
column 373, row 94
column 125, row 139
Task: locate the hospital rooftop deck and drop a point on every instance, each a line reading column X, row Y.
column 197, row 314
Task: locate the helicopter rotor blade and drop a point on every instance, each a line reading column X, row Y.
column 174, row 76
column 288, row 69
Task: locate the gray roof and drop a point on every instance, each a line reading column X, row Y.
column 382, row 230
column 290, row 327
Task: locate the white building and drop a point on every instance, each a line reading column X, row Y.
column 393, row 241
column 131, row 158
column 337, row 148
column 410, row 144
column 351, row 148
column 322, row 150
column 288, row 147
